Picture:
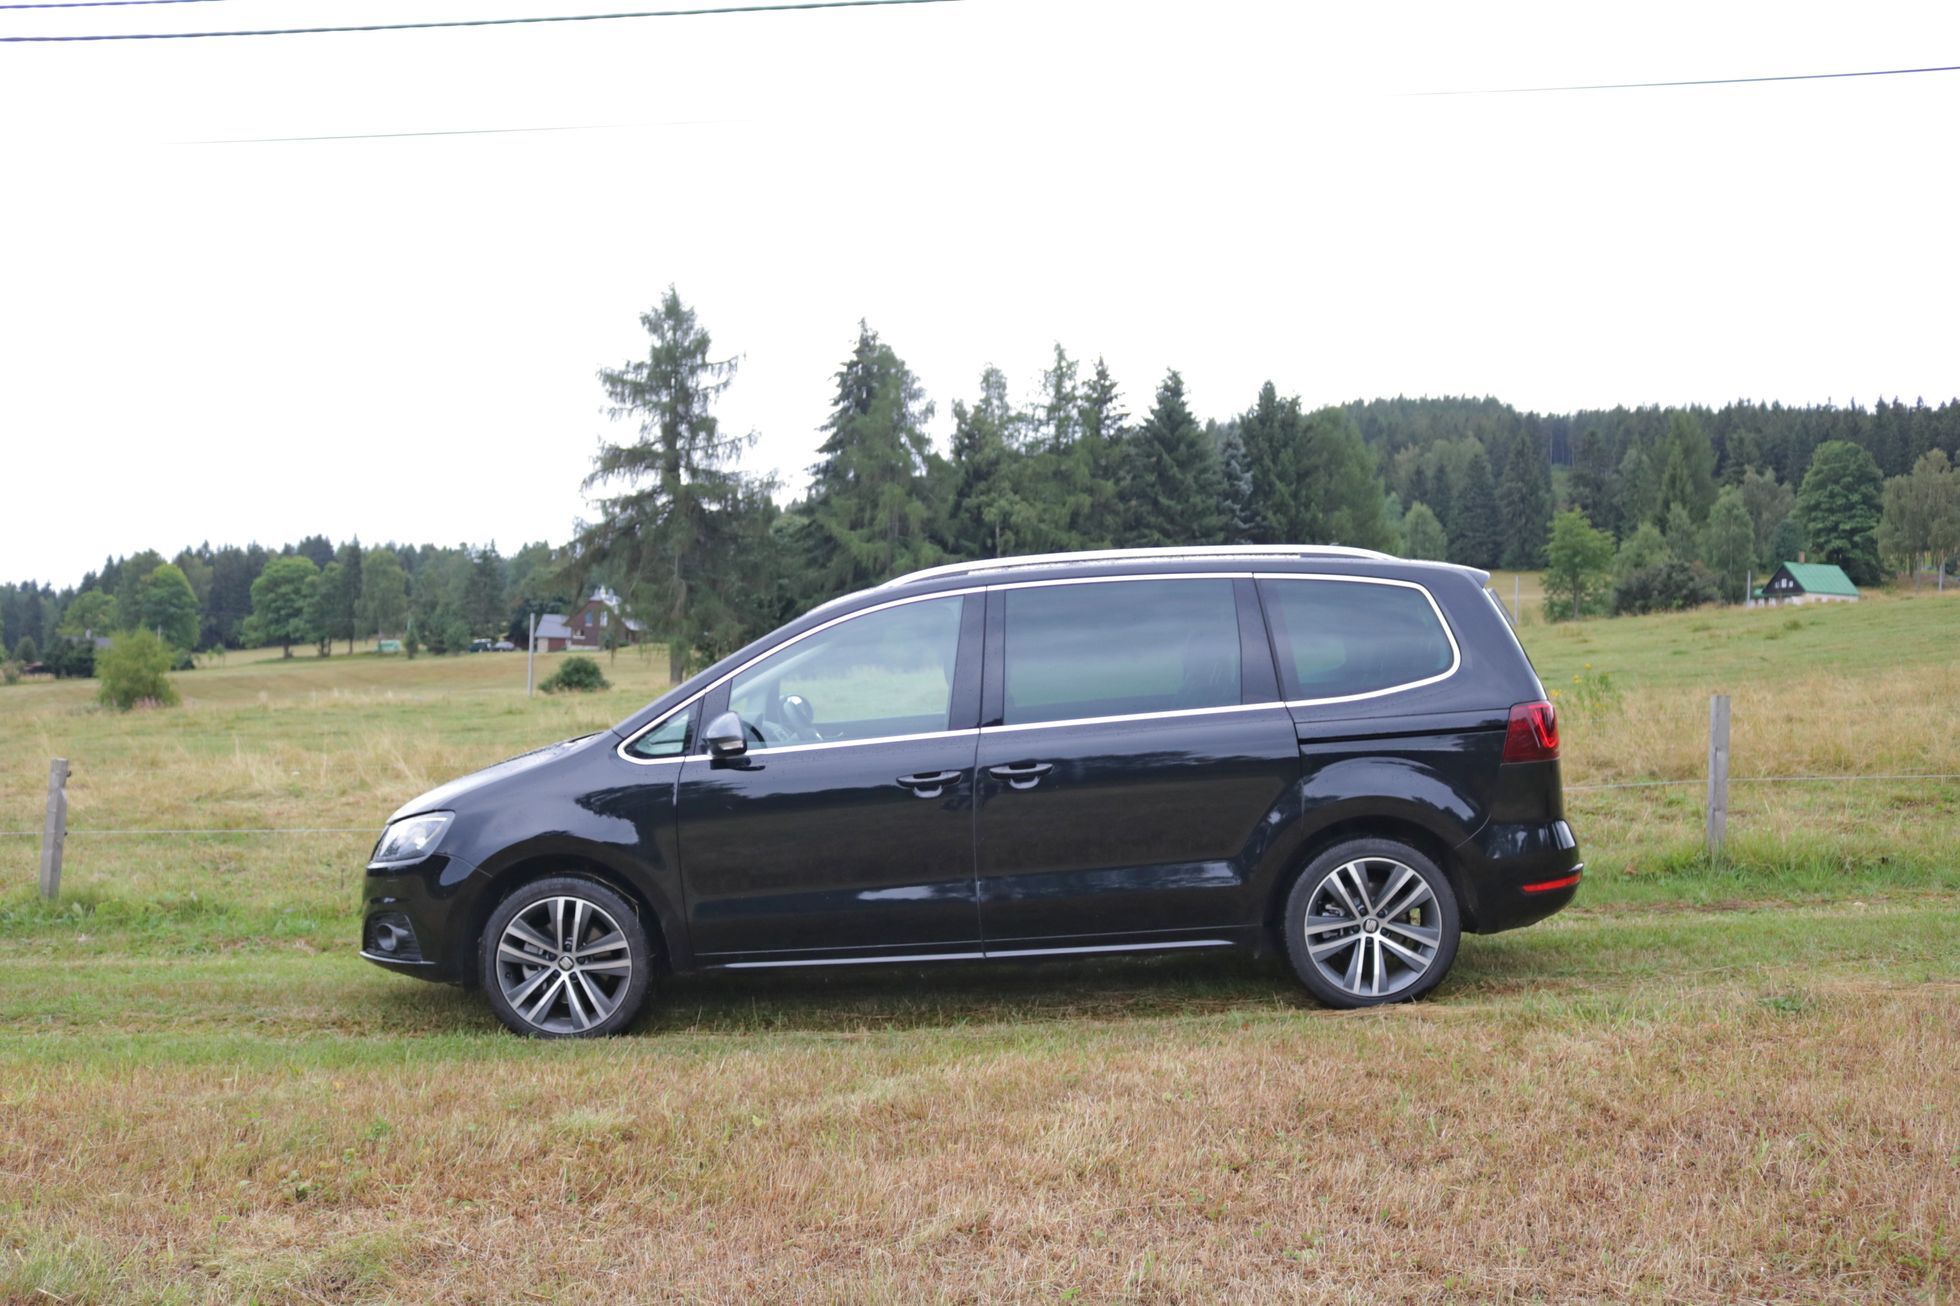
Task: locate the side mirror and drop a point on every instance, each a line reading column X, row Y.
column 726, row 736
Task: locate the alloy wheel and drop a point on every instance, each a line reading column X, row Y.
column 563, row 964
column 1372, row 927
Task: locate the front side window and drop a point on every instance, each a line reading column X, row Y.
column 1120, row 647
column 1339, row 638
column 668, row 739
column 884, row 673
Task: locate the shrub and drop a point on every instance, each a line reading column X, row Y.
column 1670, row 586
column 25, row 652
column 134, row 669
column 578, row 675
column 9, row 673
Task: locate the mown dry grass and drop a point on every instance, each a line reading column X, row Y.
column 1704, row 1083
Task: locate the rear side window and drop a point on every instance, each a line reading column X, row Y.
column 1338, row 638
column 1120, row 647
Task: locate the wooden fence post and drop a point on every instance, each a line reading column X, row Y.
column 55, row 829
column 1718, row 772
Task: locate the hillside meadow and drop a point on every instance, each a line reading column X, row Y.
column 1704, row 1082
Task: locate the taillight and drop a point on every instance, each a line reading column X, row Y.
column 1532, row 735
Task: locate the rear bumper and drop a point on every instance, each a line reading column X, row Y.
column 1514, row 874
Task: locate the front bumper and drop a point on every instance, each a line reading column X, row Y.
column 1514, row 874
column 428, row 903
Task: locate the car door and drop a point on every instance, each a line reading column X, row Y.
column 845, row 832
column 1133, row 747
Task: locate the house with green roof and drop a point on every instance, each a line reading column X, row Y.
column 1806, row 582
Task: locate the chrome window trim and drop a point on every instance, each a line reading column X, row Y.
column 1131, row 716
column 1456, row 650
column 773, row 749
column 726, row 676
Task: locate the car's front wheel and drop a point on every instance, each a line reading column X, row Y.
column 1371, row 921
column 565, row 958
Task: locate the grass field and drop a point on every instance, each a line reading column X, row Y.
column 1701, row 1083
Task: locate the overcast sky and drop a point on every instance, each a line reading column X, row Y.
column 397, row 337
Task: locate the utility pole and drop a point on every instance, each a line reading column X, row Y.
column 531, row 656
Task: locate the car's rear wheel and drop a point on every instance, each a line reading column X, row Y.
column 1371, row 921
column 565, row 958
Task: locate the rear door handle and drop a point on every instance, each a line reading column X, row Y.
column 1024, row 776
column 929, row 784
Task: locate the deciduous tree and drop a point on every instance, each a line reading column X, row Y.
column 1423, row 535
column 1578, row 567
column 1840, row 504
column 282, row 599
column 167, row 606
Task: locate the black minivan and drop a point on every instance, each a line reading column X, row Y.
column 1326, row 752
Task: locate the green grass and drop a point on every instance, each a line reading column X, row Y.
column 1739, row 1070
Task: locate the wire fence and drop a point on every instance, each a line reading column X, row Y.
column 71, row 832
column 84, row 832
column 1762, row 779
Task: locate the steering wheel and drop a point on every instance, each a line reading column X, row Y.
column 800, row 717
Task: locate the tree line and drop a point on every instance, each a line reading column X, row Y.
column 307, row 594
column 1683, row 503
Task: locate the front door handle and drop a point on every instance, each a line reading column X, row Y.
column 1024, row 776
column 929, row 784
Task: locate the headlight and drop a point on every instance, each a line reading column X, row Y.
column 412, row 838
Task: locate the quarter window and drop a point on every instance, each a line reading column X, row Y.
column 668, row 739
column 1336, row 639
column 884, row 673
column 1120, row 647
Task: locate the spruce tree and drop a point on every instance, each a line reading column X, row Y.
column 987, row 517
column 1173, row 487
column 671, row 537
column 1344, row 499
column 1524, row 503
column 1241, row 524
column 869, row 511
column 1476, row 534
column 1639, row 487
column 347, row 599
column 1687, row 468
column 1102, row 427
column 1273, row 439
column 1594, row 480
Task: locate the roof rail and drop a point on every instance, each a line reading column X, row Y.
column 1213, row 551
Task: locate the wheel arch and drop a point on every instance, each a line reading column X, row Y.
column 1380, row 825
column 507, row 878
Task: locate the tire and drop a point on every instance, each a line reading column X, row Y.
column 541, row 988
column 1396, row 906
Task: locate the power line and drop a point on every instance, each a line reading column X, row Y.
column 480, row 22
column 101, row 4
column 1703, row 81
column 466, row 131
